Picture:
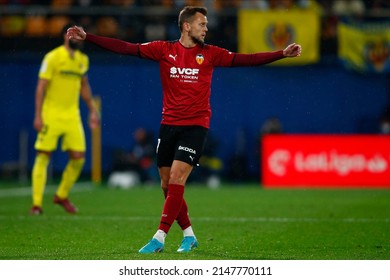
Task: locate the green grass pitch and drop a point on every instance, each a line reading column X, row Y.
column 234, row 222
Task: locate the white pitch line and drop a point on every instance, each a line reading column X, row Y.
column 81, row 187
column 26, row 191
column 203, row 219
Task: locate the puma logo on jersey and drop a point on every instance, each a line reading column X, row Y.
column 173, row 57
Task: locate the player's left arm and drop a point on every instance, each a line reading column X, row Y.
column 261, row 58
column 86, row 95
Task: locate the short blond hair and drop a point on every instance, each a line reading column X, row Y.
column 187, row 13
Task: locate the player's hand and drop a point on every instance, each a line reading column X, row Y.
column 76, row 33
column 94, row 120
column 292, row 50
column 38, row 124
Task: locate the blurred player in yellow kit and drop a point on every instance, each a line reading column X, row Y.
column 62, row 80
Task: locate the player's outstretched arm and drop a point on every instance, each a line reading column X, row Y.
column 111, row 44
column 261, row 58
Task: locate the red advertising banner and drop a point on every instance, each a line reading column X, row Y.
column 326, row 161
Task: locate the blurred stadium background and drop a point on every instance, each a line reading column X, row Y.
column 339, row 86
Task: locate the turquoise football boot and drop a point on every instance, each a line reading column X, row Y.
column 188, row 244
column 154, row 246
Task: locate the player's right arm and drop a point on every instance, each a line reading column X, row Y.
column 111, row 44
column 39, row 96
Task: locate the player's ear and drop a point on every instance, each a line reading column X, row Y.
column 186, row 26
column 65, row 37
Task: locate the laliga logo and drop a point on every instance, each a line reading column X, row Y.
column 327, row 161
column 377, row 53
column 277, row 162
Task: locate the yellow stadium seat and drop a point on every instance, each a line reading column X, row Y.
column 55, row 25
column 36, row 26
column 61, row 3
column 107, row 26
column 11, row 26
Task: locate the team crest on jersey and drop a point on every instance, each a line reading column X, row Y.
column 199, row 58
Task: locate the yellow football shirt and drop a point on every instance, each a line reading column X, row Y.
column 64, row 74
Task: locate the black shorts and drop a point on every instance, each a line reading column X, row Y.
column 184, row 143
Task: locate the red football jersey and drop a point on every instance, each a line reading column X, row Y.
column 186, row 75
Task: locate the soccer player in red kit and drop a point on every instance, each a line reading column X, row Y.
column 186, row 68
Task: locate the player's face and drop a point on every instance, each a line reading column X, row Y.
column 74, row 45
column 198, row 28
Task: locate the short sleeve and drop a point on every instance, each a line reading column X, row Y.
column 47, row 67
column 85, row 65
